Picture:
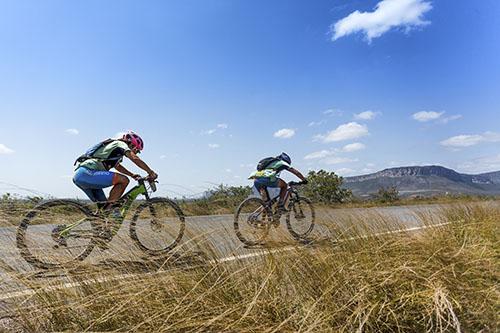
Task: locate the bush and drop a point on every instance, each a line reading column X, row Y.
column 325, row 187
column 387, row 194
column 220, row 200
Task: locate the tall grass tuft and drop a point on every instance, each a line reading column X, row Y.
column 442, row 279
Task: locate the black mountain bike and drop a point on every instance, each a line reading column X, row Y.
column 58, row 232
column 254, row 217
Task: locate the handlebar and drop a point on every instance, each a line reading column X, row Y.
column 291, row 184
column 152, row 183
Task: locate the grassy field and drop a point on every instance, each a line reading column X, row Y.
column 442, row 279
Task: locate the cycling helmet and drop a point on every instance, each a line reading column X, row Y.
column 134, row 140
column 285, row 158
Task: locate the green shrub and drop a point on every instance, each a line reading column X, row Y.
column 325, row 187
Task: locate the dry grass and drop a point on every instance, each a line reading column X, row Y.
column 438, row 280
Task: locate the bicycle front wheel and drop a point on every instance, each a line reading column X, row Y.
column 300, row 219
column 56, row 233
column 157, row 226
column 252, row 222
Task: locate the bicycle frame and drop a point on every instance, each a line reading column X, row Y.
column 125, row 203
column 270, row 202
column 288, row 195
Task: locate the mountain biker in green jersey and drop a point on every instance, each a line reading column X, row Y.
column 92, row 172
column 268, row 176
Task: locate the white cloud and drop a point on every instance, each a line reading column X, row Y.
column 208, row 132
column 228, row 170
column 221, row 126
column 446, row 120
column 345, row 171
column 424, row 116
column 481, row 165
column 285, row 133
column 162, row 157
column 388, row 14
column 353, row 147
column 333, row 112
column 319, row 155
column 466, row 140
column 338, row 160
column 5, row 150
column 213, row 145
column 367, row 115
column 316, row 123
column 347, row 131
column 72, row 131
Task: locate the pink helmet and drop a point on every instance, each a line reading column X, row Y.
column 134, row 139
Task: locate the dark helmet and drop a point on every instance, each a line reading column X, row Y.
column 285, row 158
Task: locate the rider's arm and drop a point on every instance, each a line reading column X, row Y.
column 297, row 173
column 120, row 168
column 140, row 163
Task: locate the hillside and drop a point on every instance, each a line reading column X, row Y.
column 425, row 180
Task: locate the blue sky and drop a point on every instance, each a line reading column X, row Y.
column 213, row 86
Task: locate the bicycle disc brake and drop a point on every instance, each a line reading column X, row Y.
column 58, row 237
column 156, row 226
column 254, row 221
column 299, row 214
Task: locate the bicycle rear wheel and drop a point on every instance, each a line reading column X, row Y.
column 300, row 219
column 45, row 238
column 157, row 226
column 252, row 222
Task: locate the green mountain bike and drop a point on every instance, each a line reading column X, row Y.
column 255, row 217
column 58, row 232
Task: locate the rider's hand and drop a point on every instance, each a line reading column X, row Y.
column 136, row 176
column 152, row 175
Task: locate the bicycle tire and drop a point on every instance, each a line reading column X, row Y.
column 301, row 235
column 25, row 251
column 263, row 226
column 179, row 215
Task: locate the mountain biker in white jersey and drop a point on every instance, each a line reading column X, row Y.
column 269, row 174
column 92, row 172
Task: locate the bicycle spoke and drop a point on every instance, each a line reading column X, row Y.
column 56, row 232
column 157, row 226
column 252, row 222
column 300, row 219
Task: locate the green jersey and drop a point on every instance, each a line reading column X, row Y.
column 107, row 157
column 272, row 171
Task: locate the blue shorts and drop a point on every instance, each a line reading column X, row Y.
column 92, row 182
column 261, row 183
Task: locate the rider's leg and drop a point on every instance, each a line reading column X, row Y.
column 260, row 185
column 100, row 197
column 92, row 182
column 283, row 187
column 120, row 183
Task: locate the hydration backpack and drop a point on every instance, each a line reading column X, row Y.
column 264, row 163
column 91, row 151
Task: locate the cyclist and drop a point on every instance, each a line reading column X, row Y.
column 92, row 172
column 267, row 175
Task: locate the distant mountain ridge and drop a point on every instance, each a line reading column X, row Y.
column 425, row 180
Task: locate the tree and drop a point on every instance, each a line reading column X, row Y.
column 387, row 194
column 325, row 187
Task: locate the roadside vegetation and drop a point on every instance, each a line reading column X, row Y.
column 443, row 279
column 324, row 189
